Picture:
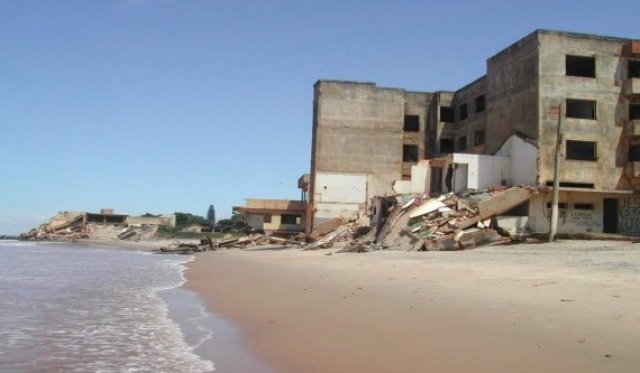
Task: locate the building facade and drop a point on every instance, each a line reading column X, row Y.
column 273, row 215
column 365, row 138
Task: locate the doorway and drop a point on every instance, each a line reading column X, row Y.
column 610, row 215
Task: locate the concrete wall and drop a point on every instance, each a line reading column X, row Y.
column 340, row 194
column 524, row 160
column 475, row 121
column 512, row 93
column 358, row 132
column 612, row 107
column 483, row 171
column 572, row 220
column 257, row 221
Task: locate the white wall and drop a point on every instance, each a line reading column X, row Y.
column 420, row 179
column 484, row 171
column 570, row 220
column 340, row 188
column 524, row 160
column 339, row 195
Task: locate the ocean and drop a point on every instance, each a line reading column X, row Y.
column 77, row 308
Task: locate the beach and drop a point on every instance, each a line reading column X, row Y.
column 570, row 306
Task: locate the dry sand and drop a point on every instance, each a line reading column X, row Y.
column 563, row 307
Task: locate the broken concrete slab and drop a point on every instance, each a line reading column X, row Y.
column 429, row 206
column 326, row 227
column 503, row 202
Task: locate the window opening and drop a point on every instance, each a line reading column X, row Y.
column 479, row 137
column 446, row 145
column 581, row 150
column 583, row 206
column 267, row 218
column 463, row 112
column 462, row 143
column 480, row 104
column 581, row 109
column 634, row 111
column 581, row 66
column 446, row 114
column 634, row 69
column 409, row 153
column 411, row 123
column 634, row 152
column 290, row 219
column 567, row 184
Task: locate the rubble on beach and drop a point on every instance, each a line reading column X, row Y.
column 412, row 222
column 407, row 222
column 422, row 223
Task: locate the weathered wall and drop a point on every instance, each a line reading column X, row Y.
column 337, row 194
column 572, row 220
column 358, row 132
column 257, row 221
column 359, row 128
column 435, row 126
column 484, row 171
column 512, row 93
column 524, row 160
column 606, row 89
column 475, row 121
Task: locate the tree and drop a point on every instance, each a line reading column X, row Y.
column 211, row 215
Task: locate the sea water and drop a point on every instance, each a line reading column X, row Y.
column 71, row 308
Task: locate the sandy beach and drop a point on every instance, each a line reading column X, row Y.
column 563, row 307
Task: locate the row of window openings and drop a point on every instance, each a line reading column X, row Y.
column 574, row 149
column 460, row 143
column 284, row 219
column 576, row 206
column 447, row 114
column 585, row 66
column 587, row 151
column 579, row 109
column 575, row 66
column 586, row 109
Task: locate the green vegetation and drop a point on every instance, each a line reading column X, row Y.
column 211, row 215
column 185, row 219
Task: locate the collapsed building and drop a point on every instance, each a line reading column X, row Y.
column 99, row 225
column 501, row 129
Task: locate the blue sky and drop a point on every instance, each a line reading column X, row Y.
column 166, row 105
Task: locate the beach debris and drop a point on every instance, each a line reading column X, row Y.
column 420, row 222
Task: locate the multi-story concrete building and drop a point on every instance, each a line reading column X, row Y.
column 363, row 135
column 364, row 138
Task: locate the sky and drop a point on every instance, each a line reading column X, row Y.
column 165, row 105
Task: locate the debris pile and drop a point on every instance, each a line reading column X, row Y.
column 420, row 223
column 63, row 226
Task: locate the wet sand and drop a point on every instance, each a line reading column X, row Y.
column 566, row 307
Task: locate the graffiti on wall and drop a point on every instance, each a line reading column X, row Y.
column 629, row 215
column 588, row 220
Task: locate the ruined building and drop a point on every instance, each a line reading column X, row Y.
column 501, row 128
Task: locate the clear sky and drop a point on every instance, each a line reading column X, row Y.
column 166, row 105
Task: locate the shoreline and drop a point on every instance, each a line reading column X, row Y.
column 525, row 308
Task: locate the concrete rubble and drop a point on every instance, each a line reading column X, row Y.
column 63, row 226
column 422, row 223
